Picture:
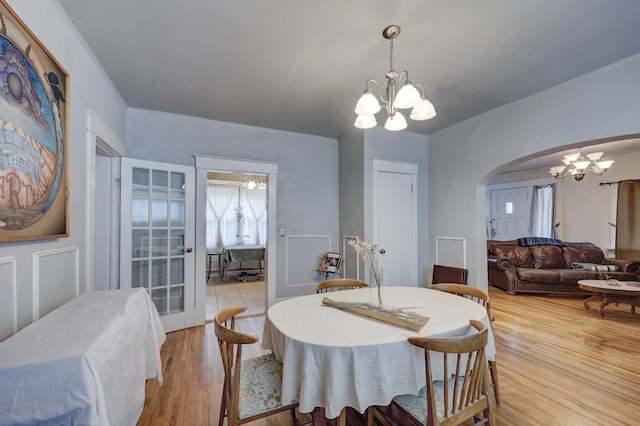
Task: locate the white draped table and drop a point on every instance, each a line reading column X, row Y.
column 85, row 363
column 335, row 359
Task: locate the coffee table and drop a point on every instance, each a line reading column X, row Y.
column 611, row 291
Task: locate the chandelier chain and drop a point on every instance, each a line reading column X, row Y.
column 391, row 54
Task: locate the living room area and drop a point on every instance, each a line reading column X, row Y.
column 593, row 212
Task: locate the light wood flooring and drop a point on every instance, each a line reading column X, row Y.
column 558, row 365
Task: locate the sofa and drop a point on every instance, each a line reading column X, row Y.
column 548, row 266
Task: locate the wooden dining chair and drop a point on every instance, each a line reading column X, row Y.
column 449, row 274
column 339, row 284
column 251, row 386
column 477, row 295
column 463, row 393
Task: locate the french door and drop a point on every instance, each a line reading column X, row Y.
column 157, row 237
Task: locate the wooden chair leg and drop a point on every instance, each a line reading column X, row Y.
column 493, row 370
column 223, row 408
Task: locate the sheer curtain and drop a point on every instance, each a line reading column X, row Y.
column 221, row 200
column 542, row 211
column 235, row 215
column 628, row 220
column 255, row 201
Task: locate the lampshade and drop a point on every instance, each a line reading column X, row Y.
column 396, row 122
column 367, row 104
column 365, row 121
column 571, row 157
column 423, row 111
column 581, row 165
column 604, row 165
column 407, row 97
column 595, row 156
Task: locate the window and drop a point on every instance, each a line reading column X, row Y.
column 235, row 215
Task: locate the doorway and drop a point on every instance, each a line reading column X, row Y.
column 205, row 165
column 236, row 238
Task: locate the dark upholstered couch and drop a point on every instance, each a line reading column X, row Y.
column 548, row 268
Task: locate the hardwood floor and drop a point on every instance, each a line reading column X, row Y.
column 558, row 365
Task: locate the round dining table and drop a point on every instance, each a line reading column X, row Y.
column 335, row 359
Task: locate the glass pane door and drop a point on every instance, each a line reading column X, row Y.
column 158, row 237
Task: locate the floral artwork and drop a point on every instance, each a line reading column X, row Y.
column 33, row 187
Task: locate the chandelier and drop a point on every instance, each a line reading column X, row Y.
column 407, row 97
column 577, row 165
column 256, row 183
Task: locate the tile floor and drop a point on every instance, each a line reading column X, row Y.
column 232, row 292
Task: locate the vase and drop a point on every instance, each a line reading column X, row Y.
column 375, row 287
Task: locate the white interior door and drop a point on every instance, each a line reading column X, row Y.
column 395, row 220
column 510, row 213
column 157, row 237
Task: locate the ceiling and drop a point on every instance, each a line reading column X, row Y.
column 300, row 65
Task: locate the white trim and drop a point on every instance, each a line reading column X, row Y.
column 110, row 144
column 286, row 256
column 464, row 248
column 13, row 297
column 35, row 313
column 394, row 166
column 205, row 164
column 226, row 164
column 103, row 139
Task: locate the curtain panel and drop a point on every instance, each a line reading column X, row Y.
column 628, row 220
column 543, row 211
column 235, row 215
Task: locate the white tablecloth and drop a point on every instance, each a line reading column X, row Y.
column 84, row 363
column 334, row 359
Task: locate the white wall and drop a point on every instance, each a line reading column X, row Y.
column 463, row 157
column 307, row 185
column 49, row 267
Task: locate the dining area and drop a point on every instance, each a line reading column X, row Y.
column 422, row 356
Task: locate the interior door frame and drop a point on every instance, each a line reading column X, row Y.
column 205, row 164
column 102, row 139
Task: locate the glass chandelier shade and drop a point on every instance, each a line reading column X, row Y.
column 396, row 122
column 577, row 165
column 366, row 121
column 398, row 96
column 367, row 104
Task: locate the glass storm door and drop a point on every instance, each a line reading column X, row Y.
column 157, row 236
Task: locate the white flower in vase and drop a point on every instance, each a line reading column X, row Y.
column 369, row 253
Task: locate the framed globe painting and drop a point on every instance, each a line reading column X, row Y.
column 33, row 133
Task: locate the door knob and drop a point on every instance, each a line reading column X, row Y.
column 188, row 250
